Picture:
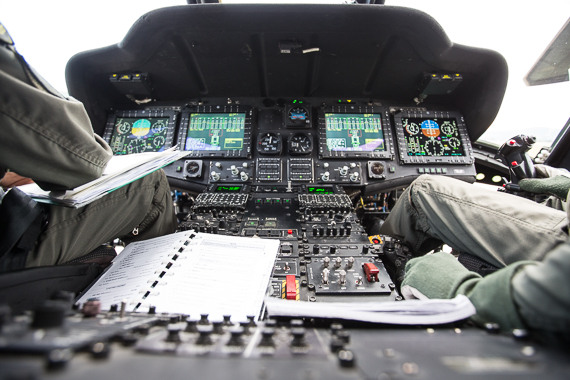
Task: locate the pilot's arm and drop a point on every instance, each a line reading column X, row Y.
column 526, row 294
column 43, row 135
column 47, row 138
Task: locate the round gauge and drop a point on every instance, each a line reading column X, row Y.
column 158, row 127
column 123, row 127
column 193, row 169
column 158, row 141
column 377, row 168
column 454, row 142
column 298, row 114
column 136, row 146
column 412, row 128
column 447, row 128
column 434, row 148
column 300, row 143
column 269, row 143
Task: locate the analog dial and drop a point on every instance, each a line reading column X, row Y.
column 269, row 143
column 300, row 143
column 298, row 114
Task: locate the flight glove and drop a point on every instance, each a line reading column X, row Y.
column 557, row 186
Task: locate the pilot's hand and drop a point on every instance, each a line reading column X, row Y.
column 434, row 276
column 12, row 179
column 546, row 171
column 558, row 186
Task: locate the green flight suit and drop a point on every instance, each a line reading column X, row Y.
column 529, row 241
column 49, row 138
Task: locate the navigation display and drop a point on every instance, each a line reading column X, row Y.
column 140, row 134
column 437, row 137
column 354, row 132
column 215, row 132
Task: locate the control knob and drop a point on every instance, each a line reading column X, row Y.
column 215, row 176
column 354, row 177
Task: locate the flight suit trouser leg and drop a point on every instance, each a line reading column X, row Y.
column 497, row 227
column 144, row 205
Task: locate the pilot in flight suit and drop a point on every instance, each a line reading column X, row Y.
column 528, row 241
column 49, row 138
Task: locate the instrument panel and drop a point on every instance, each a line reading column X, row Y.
column 286, row 143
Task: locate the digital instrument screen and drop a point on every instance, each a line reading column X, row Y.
column 215, row 132
column 139, row 134
column 228, row 189
column 320, row 190
column 432, row 137
column 354, row 132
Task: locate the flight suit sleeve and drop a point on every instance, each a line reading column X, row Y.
column 47, row 138
column 440, row 275
column 526, row 294
column 541, row 292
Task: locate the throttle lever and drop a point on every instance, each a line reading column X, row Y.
column 513, row 153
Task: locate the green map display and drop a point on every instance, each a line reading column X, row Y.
column 354, row 132
column 215, row 131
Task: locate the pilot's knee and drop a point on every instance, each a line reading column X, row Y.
column 426, row 181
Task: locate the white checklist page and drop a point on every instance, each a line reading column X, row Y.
column 133, row 272
column 218, row 275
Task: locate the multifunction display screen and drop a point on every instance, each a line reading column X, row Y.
column 432, row 137
column 354, row 132
column 215, row 132
column 139, row 134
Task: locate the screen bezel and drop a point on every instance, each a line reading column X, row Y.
column 185, row 119
column 376, row 116
column 172, row 116
column 405, row 158
column 325, row 152
column 208, row 117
